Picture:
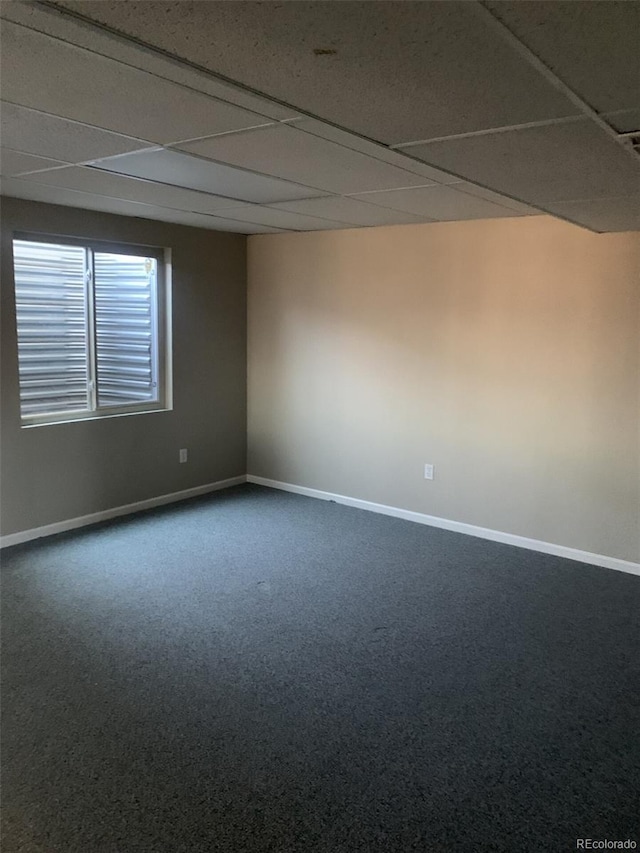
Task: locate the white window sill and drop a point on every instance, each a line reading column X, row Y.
column 91, row 416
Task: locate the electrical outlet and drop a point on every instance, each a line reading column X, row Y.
column 183, row 454
column 428, row 472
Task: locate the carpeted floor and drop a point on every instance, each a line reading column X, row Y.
column 258, row 671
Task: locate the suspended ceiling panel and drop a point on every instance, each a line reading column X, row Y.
column 98, row 182
column 624, row 121
column 593, row 46
column 48, row 20
column 373, row 149
column 16, row 162
column 460, row 75
column 46, row 135
column 376, row 57
column 277, row 218
column 438, row 202
column 349, row 210
column 292, row 154
column 72, row 198
column 184, row 170
column 72, row 82
column 562, row 162
column 605, row 214
column 497, row 198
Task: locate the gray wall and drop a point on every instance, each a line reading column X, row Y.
column 59, row 472
column 505, row 352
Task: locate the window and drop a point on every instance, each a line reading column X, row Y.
column 92, row 329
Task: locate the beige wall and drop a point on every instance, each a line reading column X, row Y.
column 54, row 473
column 504, row 351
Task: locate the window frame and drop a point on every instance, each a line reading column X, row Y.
column 161, row 318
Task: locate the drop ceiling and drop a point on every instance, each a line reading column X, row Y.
column 265, row 117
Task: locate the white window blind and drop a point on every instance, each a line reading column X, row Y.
column 124, row 317
column 88, row 330
column 52, row 327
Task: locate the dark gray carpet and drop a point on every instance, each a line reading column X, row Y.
column 257, row 671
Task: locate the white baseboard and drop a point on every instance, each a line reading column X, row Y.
column 104, row 515
column 458, row 527
column 408, row 515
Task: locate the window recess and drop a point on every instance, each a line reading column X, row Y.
column 91, row 329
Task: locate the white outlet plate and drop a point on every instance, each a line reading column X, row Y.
column 428, row 472
column 183, row 455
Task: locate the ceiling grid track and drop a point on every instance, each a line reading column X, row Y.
column 547, row 72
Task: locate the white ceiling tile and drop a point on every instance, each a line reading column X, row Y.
column 593, row 47
column 18, row 188
column 497, row 198
column 16, row 162
column 397, row 71
column 350, row 211
column 559, row 162
column 283, row 218
column 74, row 83
column 602, row 214
column 624, row 121
column 49, row 136
column 294, row 155
column 440, row 203
column 214, row 223
column 96, row 181
column 174, row 167
column 78, row 32
column 440, row 70
column 375, row 150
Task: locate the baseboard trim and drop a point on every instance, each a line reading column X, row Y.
column 457, row 527
column 396, row 512
column 83, row 520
